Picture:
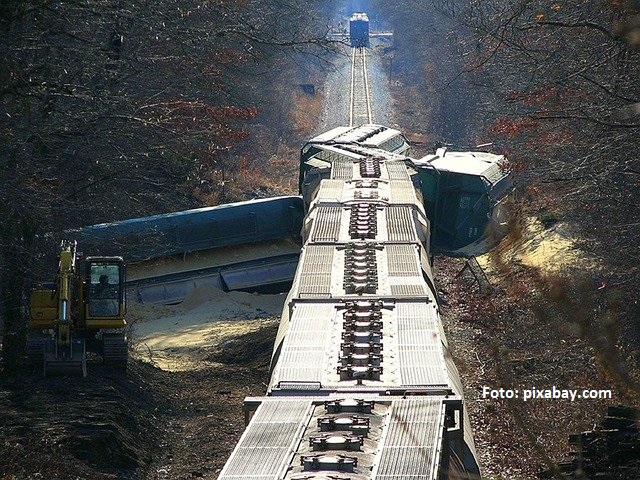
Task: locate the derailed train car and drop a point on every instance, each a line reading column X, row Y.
column 362, row 385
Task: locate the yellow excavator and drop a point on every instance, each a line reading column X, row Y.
column 82, row 311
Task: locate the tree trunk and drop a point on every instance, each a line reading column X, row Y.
column 16, row 254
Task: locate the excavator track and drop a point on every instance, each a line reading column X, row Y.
column 115, row 350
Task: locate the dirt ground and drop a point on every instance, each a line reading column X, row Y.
column 146, row 424
column 177, row 413
column 536, row 323
column 180, row 337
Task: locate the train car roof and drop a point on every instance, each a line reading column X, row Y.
column 482, row 164
column 413, row 350
column 405, row 439
column 359, row 16
column 227, row 207
column 330, row 135
column 364, row 134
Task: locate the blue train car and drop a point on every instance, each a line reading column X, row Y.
column 359, row 29
column 138, row 239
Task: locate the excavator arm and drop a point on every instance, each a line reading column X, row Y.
column 66, row 273
column 64, row 354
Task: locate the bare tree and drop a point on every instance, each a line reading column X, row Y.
column 113, row 108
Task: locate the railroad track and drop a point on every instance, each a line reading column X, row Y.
column 360, row 106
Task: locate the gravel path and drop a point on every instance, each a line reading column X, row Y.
column 338, row 89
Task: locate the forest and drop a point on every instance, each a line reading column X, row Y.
column 554, row 86
column 117, row 109
column 112, row 109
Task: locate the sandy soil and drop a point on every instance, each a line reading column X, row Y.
column 177, row 338
column 549, row 249
column 528, row 331
column 175, row 414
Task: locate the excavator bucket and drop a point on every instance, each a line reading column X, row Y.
column 70, row 360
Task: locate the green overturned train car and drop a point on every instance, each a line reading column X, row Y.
column 464, row 195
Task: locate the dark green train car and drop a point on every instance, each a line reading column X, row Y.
column 463, row 194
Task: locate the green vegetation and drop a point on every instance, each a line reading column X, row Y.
column 548, row 218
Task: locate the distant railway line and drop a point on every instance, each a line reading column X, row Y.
column 363, row 386
column 360, row 103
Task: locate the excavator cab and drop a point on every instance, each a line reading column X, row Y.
column 104, row 305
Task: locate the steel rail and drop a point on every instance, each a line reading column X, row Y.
column 360, row 101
